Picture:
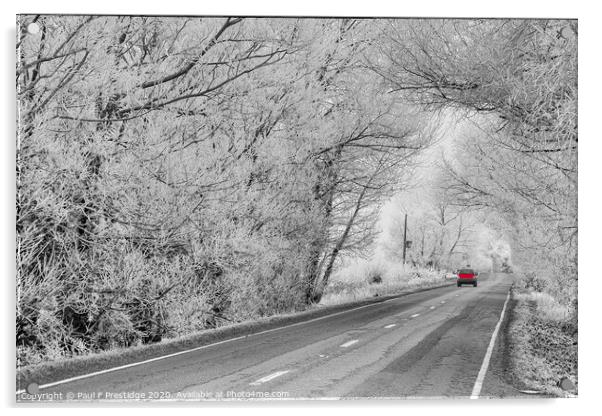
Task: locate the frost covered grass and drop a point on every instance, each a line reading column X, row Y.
column 362, row 279
column 543, row 338
column 546, row 306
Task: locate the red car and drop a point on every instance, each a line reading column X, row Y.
column 467, row 277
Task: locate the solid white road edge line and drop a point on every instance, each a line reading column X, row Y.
column 268, row 378
column 122, row 367
column 476, row 390
column 389, row 326
column 349, row 343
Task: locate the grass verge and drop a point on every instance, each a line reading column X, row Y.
column 367, row 279
column 543, row 344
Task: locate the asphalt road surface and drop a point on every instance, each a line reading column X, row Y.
column 428, row 344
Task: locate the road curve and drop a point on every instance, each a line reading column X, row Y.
column 424, row 345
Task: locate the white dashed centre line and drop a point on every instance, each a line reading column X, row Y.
column 390, row 326
column 442, row 302
column 415, row 315
column 268, row 378
column 349, row 343
column 432, row 307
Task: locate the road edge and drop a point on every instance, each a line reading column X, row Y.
column 476, row 390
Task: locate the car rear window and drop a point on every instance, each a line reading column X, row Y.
column 465, row 271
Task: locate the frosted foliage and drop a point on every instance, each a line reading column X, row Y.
column 177, row 174
column 181, row 173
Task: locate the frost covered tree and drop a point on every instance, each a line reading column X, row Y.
column 181, row 173
column 517, row 82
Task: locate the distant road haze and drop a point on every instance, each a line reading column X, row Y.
column 435, row 343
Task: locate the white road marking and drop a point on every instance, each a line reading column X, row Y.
column 268, row 378
column 476, row 390
column 415, row 315
column 442, row 302
column 123, row 367
column 390, row 326
column 162, row 357
column 432, row 307
column 349, row 343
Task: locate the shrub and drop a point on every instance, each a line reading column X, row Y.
column 534, row 282
column 374, row 277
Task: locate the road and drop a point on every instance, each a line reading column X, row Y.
column 427, row 344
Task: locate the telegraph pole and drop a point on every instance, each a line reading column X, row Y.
column 405, row 243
